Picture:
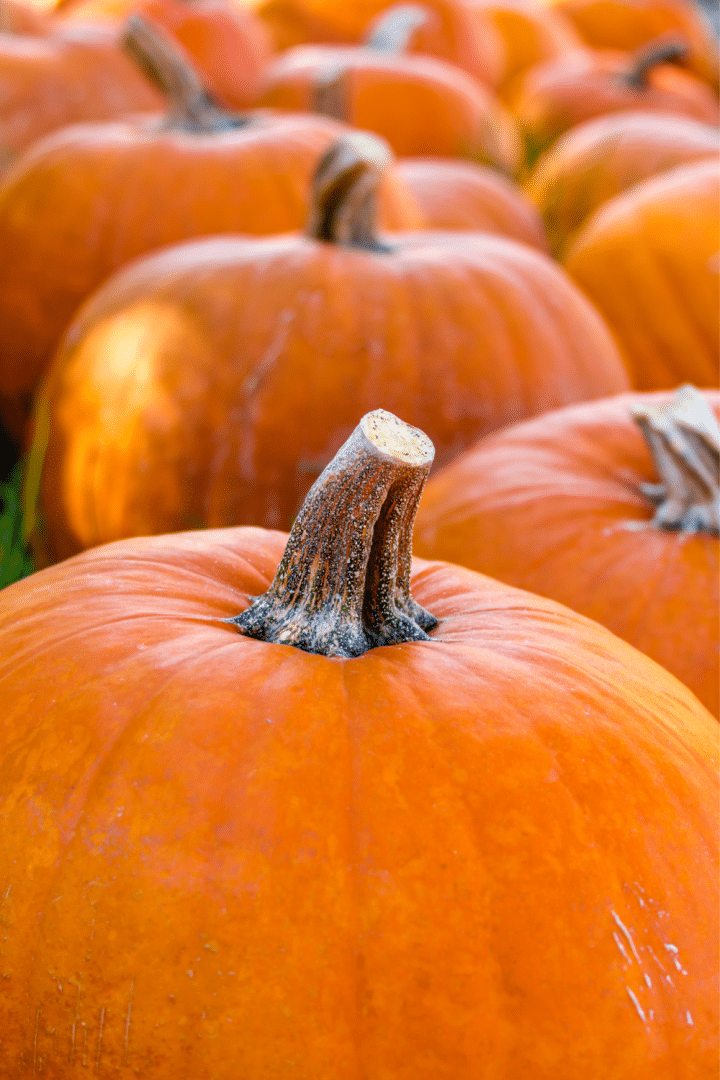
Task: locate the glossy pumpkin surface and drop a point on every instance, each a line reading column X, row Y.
column 210, row 384
column 555, row 505
column 648, row 258
column 494, row 850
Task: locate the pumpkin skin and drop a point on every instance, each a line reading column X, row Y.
column 209, row 384
column 462, row 195
column 291, row 22
column 578, row 86
column 626, row 24
column 648, row 260
column 421, row 105
column 237, row 858
column 228, row 44
column 20, row 18
column 61, row 232
column 48, row 82
column 531, row 34
column 455, row 32
column 603, row 157
column 545, row 505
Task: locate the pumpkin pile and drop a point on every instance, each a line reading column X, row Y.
column 287, row 289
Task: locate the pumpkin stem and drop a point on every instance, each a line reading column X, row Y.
column 167, row 66
column 344, row 195
column 684, row 440
column 661, row 51
column 343, row 584
column 392, row 32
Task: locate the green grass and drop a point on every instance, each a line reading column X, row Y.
column 15, row 558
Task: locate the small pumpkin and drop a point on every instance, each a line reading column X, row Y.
column 447, row 29
column 87, row 200
column 629, row 24
column 253, row 838
column 421, row 105
column 531, row 34
column 610, row 507
column 557, row 95
column 648, row 259
column 454, row 194
column 17, row 17
column 604, row 157
column 211, row 383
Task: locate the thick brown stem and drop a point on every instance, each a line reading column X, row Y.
column 684, row 440
column 662, row 51
column 342, row 586
column 330, row 93
column 344, row 196
column 393, row 31
column 192, row 108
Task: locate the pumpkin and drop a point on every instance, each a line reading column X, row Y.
column 530, row 32
column 390, row 818
column 17, row 17
column 48, row 82
column 447, row 29
column 580, row 85
column 170, row 402
column 454, row 194
column 421, row 105
column 628, row 24
column 603, row 157
column 563, row 505
column 86, row 201
column 649, row 259
column 291, row 22
column 227, row 43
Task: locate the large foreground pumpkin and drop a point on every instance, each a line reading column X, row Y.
column 478, row 842
column 211, row 383
column 566, row 506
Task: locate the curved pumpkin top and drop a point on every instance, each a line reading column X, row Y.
column 17, row 17
column 578, row 86
column 218, row 832
column 603, row 157
column 447, row 29
column 561, row 505
column 421, row 105
column 463, row 195
column 288, row 337
column 227, row 42
column 661, row 301
column 531, row 33
column 628, row 24
column 48, row 82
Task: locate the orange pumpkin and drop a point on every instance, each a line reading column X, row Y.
column 562, row 505
column 17, row 17
column 421, row 105
column 89, row 199
column 488, row 844
column 603, row 157
column 649, row 260
column 531, row 34
column 48, row 82
column 628, row 24
column 211, row 383
column 291, row 22
column 447, row 29
column 462, row 195
column 578, row 86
